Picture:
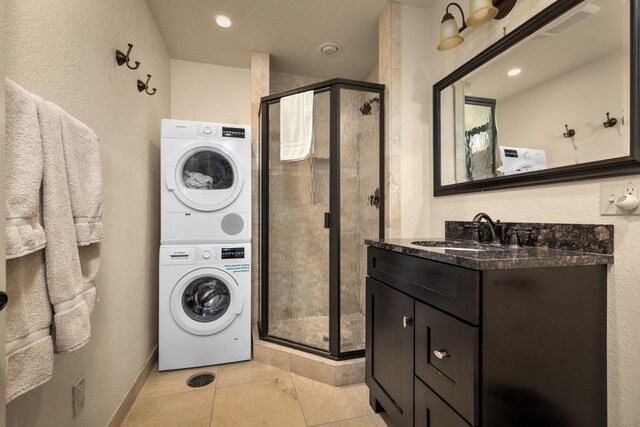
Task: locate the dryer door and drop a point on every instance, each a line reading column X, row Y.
column 206, row 301
column 205, row 177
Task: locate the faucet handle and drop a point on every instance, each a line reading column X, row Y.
column 514, row 235
column 527, row 232
column 475, row 230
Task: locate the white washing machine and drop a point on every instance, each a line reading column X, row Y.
column 205, row 183
column 204, row 305
column 518, row 160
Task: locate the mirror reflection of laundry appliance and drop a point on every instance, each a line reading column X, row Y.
column 205, row 182
column 518, row 160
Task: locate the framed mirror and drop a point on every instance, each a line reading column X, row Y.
column 554, row 100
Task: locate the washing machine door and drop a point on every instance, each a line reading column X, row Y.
column 205, row 177
column 205, row 301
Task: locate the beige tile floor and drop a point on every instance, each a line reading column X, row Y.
column 250, row 394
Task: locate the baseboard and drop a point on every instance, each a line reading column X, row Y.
column 123, row 409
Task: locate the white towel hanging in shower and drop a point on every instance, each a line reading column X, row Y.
column 296, row 126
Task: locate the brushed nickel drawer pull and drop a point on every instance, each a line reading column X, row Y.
column 441, row 354
column 407, row 321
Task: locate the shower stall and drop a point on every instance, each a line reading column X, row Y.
column 315, row 214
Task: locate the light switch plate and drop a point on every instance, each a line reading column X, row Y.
column 610, row 191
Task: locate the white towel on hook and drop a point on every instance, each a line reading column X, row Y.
column 72, row 326
column 23, row 173
column 296, row 126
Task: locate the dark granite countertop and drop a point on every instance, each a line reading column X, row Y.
column 491, row 257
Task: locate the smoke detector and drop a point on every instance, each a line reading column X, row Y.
column 329, row 49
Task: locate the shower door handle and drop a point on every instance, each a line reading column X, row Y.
column 327, row 220
column 374, row 199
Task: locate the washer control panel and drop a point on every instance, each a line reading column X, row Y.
column 233, row 253
column 232, row 132
column 221, row 253
column 205, row 254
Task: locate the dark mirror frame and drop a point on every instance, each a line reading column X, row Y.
column 627, row 165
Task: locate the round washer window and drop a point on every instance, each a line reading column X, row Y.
column 206, row 299
column 207, row 170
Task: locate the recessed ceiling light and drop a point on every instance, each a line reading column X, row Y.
column 223, row 21
column 514, row 72
column 329, row 49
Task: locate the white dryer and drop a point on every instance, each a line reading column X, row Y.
column 205, row 182
column 204, row 305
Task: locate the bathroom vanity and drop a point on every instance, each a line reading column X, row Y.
column 460, row 334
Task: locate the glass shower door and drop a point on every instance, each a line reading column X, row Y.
column 360, row 206
column 298, row 240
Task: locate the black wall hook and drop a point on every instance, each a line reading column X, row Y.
column 144, row 86
column 611, row 122
column 122, row 58
column 570, row 133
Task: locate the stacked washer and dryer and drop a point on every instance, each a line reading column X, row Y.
column 205, row 253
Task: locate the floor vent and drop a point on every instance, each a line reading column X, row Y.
column 201, row 380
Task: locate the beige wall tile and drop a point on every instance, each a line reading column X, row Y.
column 352, row 373
column 272, row 356
column 312, row 369
column 395, row 34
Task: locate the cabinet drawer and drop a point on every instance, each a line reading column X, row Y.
column 431, row 411
column 447, row 359
column 452, row 289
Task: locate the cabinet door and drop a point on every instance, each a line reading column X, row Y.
column 389, row 351
column 431, row 411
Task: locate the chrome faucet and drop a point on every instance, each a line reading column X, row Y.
column 495, row 227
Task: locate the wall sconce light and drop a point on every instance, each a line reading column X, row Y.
column 480, row 12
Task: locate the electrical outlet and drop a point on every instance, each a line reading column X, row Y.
column 630, row 190
column 78, row 397
column 610, row 192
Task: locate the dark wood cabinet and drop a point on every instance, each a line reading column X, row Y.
column 431, row 411
column 449, row 346
column 389, row 354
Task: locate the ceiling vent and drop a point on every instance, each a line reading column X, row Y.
column 329, row 49
column 571, row 19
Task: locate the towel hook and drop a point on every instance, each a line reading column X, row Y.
column 144, row 86
column 611, row 122
column 570, row 133
column 122, row 58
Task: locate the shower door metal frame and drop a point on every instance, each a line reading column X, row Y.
column 333, row 86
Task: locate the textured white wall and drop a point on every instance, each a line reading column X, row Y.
column 574, row 202
column 211, row 93
column 535, row 118
column 63, row 50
